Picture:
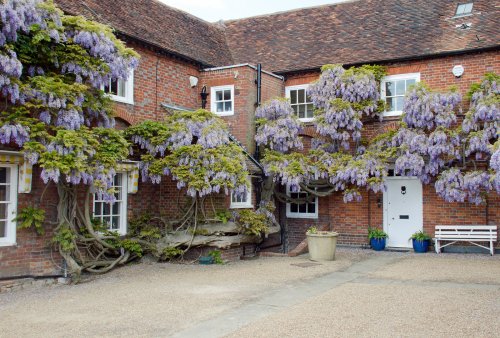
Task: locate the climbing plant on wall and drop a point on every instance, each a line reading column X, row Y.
column 461, row 158
column 52, row 69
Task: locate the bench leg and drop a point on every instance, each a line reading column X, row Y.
column 492, row 249
column 436, row 246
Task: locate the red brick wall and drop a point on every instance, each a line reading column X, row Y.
column 352, row 219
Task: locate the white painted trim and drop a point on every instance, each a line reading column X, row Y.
column 407, row 76
column 243, row 205
column 297, row 87
column 129, row 91
column 213, row 106
column 290, row 214
column 11, row 225
column 243, row 65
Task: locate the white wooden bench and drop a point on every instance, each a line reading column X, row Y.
column 466, row 233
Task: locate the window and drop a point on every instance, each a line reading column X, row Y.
column 301, row 102
column 394, row 88
column 464, row 9
column 222, row 100
column 302, row 210
column 242, row 201
column 114, row 215
column 121, row 90
column 8, row 203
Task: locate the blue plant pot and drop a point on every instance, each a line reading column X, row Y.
column 377, row 244
column 206, row 260
column 421, row 246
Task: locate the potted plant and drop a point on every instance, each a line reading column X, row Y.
column 421, row 241
column 377, row 238
column 322, row 244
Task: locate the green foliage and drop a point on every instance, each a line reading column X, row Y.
column 312, row 230
column 376, row 233
column 132, row 246
column 143, row 227
column 216, row 256
column 420, row 236
column 171, row 253
column 252, row 223
column 31, row 217
column 224, row 216
column 65, row 238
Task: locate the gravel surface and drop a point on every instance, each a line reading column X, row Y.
column 151, row 299
column 410, row 295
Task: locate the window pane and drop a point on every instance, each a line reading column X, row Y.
column 4, row 193
column 113, row 88
column 295, row 109
column 310, row 110
column 227, row 95
column 389, row 89
column 220, row 107
column 303, row 208
column 311, row 208
column 399, row 103
column 301, row 96
column 4, row 207
column 116, row 208
column 115, row 223
column 302, row 111
column 218, row 95
column 409, row 83
column 390, row 104
column 400, row 87
column 106, row 209
column 293, row 96
column 121, row 88
column 3, row 175
column 3, row 229
column 228, row 106
column 294, row 207
column 97, row 208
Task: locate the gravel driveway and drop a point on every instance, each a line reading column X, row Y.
column 362, row 293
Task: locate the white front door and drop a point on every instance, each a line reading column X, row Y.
column 403, row 210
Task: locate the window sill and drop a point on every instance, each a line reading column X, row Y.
column 308, row 119
column 228, row 113
column 393, row 113
column 242, row 206
column 7, row 244
column 304, row 216
column 121, row 99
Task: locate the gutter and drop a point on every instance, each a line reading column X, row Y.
column 243, row 65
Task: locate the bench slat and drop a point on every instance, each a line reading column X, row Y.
column 482, row 227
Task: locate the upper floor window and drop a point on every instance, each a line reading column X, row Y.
column 464, row 9
column 242, row 201
column 114, row 215
column 301, row 102
column 8, row 203
column 393, row 90
column 222, row 100
column 301, row 210
column 121, row 90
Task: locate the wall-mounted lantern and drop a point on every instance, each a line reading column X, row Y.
column 204, row 96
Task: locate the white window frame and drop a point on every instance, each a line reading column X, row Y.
column 464, row 6
column 288, row 96
column 213, row 102
column 11, row 226
column 129, row 91
column 122, row 230
column 309, row 215
column 243, row 205
column 408, row 76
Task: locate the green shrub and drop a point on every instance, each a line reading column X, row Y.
column 31, row 217
column 216, row 256
column 420, row 236
column 376, row 233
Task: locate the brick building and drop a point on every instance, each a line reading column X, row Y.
column 182, row 55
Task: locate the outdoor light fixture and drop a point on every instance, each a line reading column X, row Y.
column 204, row 96
column 458, row 71
column 403, row 190
column 193, row 81
column 379, row 202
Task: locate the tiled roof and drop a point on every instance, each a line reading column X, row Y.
column 157, row 24
column 360, row 32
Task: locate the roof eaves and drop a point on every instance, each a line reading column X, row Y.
column 242, row 65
